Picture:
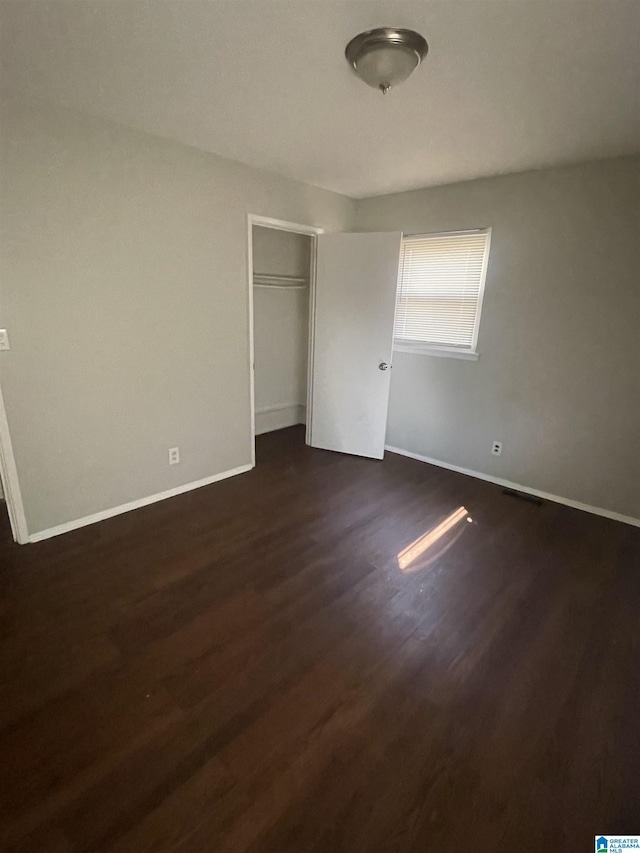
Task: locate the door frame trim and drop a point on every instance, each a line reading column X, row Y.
column 10, row 482
column 294, row 228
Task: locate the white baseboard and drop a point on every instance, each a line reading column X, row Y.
column 118, row 510
column 606, row 513
column 270, row 418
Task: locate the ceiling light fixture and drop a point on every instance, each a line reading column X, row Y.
column 385, row 57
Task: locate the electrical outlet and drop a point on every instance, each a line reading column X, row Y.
column 496, row 448
column 4, row 339
column 174, row 455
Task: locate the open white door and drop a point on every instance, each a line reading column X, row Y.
column 355, row 297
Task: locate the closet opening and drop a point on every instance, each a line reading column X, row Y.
column 282, row 279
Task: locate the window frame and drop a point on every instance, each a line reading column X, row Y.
column 424, row 347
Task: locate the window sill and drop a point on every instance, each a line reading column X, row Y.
column 466, row 355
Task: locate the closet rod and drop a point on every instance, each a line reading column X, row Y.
column 282, row 286
column 265, row 279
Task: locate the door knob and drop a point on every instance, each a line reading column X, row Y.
column 383, row 366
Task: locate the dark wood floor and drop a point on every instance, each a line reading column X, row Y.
column 247, row 668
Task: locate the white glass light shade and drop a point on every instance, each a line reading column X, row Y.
column 386, row 66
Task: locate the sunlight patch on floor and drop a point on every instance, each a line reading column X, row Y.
column 420, row 545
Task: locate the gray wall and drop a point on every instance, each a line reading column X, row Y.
column 278, row 252
column 281, row 330
column 124, row 288
column 558, row 379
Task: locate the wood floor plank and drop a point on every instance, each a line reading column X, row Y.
column 259, row 666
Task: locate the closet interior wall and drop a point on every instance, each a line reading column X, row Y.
column 281, row 276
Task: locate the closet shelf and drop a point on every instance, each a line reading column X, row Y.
column 288, row 282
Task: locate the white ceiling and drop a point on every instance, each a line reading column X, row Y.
column 508, row 85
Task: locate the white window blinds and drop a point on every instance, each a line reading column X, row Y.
column 440, row 286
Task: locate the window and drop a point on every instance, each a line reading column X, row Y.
column 440, row 287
